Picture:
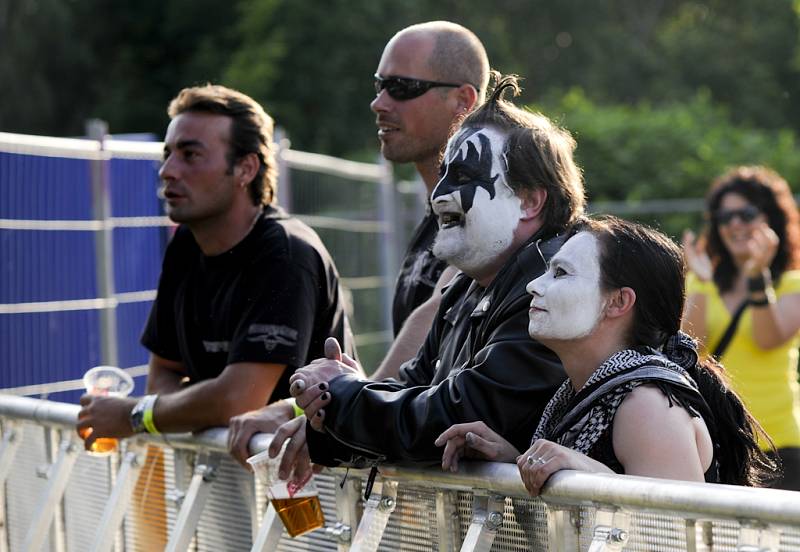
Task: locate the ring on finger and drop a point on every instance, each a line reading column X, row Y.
column 536, row 460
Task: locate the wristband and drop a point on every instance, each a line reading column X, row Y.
column 759, row 302
column 147, row 418
column 295, row 409
column 758, row 283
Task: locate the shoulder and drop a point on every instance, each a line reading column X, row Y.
column 646, row 405
column 789, row 282
column 286, row 238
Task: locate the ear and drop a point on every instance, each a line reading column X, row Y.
column 533, row 201
column 466, row 97
column 245, row 169
column 620, row 302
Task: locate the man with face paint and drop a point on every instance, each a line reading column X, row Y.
column 430, row 76
column 509, row 187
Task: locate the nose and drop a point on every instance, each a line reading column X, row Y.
column 381, row 103
column 534, row 287
column 166, row 172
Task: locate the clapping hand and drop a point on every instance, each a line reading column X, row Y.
column 697, row 259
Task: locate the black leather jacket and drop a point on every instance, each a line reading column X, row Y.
column 478, row 363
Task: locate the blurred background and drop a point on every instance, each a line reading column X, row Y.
column 662, row 95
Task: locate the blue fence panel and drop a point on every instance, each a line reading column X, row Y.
column 47, row 347
column 46, row 265
column 34, row 187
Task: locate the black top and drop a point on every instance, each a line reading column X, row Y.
column 273, row 298
column 419, row 272
column 478, row 363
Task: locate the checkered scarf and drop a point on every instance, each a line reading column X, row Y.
column 679, row 353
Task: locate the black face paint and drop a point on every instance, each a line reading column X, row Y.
column 466, row 174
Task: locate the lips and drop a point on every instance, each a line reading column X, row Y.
column 386, row 127
column 450, row 219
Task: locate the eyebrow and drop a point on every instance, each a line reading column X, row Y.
column 183, row 144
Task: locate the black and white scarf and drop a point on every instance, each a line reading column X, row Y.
column 579, row 420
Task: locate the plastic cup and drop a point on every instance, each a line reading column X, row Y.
column 296, row 502
column 110, row 381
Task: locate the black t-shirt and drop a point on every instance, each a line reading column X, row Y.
column 274, row 298
column 419, row 272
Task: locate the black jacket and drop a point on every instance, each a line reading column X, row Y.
column 478, row 363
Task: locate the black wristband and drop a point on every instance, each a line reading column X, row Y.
column 759, row 302
column 757, row 283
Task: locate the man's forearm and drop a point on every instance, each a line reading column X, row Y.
column 408, row 342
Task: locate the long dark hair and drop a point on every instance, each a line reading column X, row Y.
column 767, row 190
column 647, row 261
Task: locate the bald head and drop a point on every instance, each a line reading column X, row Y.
column 455, row 54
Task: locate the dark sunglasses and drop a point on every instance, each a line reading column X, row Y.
column 402, row 88
column 745, row 214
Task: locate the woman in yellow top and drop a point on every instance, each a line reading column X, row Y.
column 751, row 252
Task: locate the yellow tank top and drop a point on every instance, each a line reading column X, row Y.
column 765, row 380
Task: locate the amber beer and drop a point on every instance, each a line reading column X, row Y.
column 103, row 445
column 300, row 514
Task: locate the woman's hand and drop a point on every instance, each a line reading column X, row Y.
column 763, row 246
column 697, row 259
column 544, row 458
column 473, row 440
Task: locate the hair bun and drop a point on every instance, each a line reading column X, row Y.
column 682, row 350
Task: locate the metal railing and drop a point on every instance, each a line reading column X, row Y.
column 482, row 507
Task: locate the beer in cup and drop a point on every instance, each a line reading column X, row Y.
column 106, row 380
column 296, row 502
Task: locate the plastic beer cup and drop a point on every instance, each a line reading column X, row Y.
column 111, row 381
column 296, row 502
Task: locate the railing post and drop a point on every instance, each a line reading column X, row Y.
column 12, row 436
column 699, row 536
column 487, row 518
column 58, row 475
column 269, row 532
column 349, row 509
column 447, row 521
column 282, row 143
column 564, row 529
column 610, row 530
column 193, row 503
column 120, row 498
column 104, row 242
column 380, row 506
column 388, row 252
column 755, row 536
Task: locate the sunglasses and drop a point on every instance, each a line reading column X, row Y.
column 745, row 214
column 402, row 88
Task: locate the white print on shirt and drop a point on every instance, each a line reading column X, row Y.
column 272, row 335
column 567, row 301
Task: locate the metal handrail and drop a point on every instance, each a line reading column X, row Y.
column 564, row 488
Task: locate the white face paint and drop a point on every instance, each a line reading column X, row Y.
column 478, row 212
column 567, row 300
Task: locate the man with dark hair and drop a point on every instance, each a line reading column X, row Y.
column 509, row 187
column 430, row 76
column 246, row 294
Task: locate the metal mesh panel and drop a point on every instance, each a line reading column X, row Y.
column 151, row 514
column 24, row 487
column 226, row 523
column 85, row 497
column 412, row 525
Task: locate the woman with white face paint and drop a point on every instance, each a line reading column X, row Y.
column 637, row 401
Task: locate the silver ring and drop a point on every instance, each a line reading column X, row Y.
column 536, row 460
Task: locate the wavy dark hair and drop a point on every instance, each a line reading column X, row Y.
column 538, row 153
column 767, row 190
column 638, row 257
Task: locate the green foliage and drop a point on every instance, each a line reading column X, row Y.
column 673, row 151
column 631, row 153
